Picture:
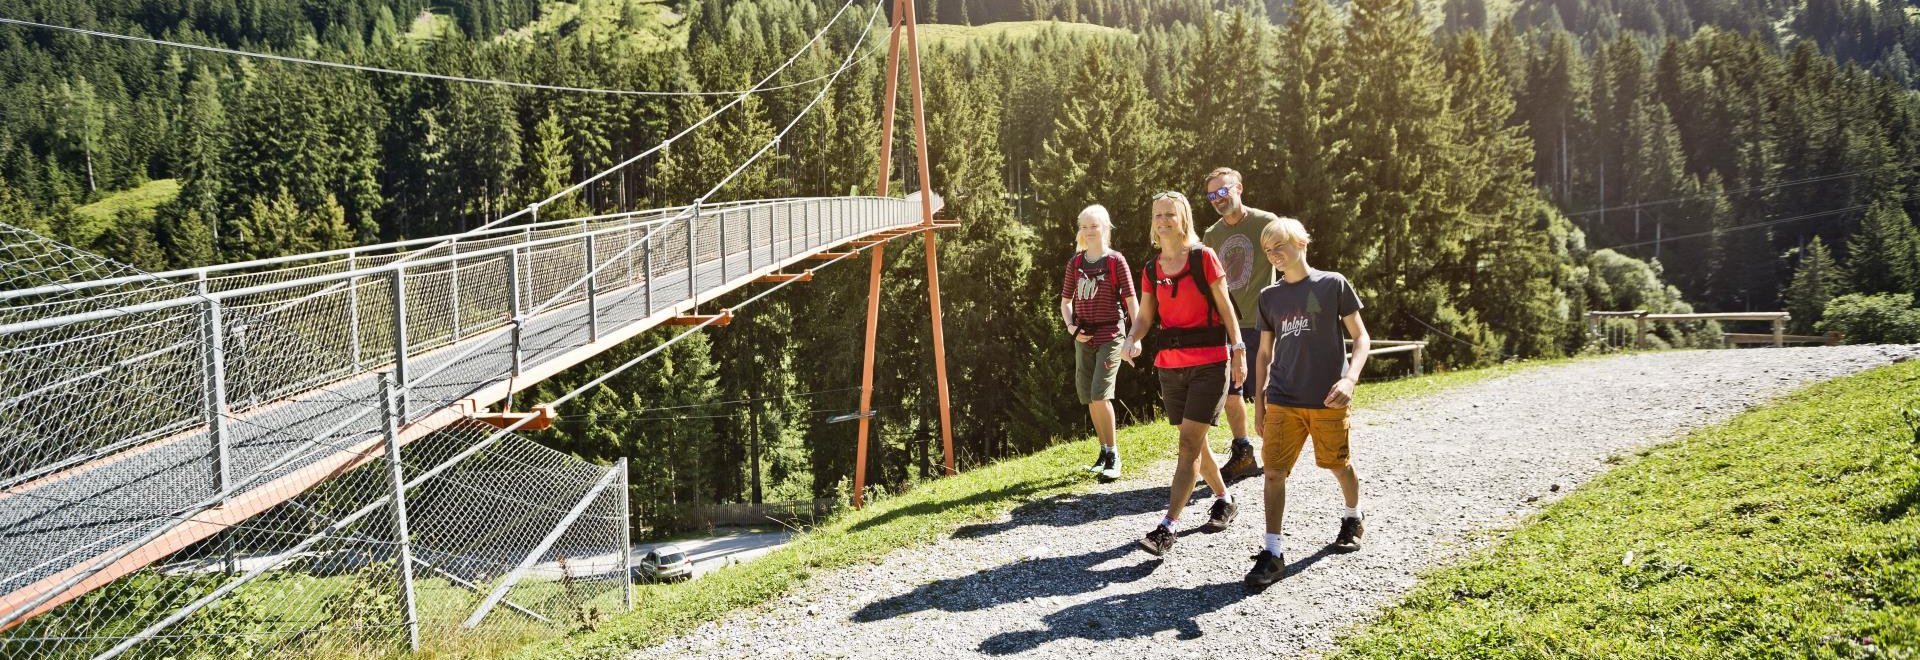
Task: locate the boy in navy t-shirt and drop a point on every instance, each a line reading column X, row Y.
column 1306, row 380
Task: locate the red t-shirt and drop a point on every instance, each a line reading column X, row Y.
column 1184, row 306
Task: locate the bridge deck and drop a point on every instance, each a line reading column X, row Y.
column 57, row 524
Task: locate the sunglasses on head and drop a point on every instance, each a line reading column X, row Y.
column 1222, row 192
column 1167, row 194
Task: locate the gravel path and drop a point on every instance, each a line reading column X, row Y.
column 1060, row 577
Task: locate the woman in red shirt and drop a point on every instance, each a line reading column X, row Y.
column 1198, row 352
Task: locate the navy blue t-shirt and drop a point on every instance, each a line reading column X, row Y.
column 1309, row 348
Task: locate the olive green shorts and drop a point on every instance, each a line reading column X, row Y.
column 1095, row 367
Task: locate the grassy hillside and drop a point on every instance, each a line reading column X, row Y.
column 1790, row 531
column 959, row 35
column 640, row 26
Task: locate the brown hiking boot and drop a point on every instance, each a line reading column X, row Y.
column 1220, row 516
column 1351, row 529
column 1158, row 541
column 1241, row 464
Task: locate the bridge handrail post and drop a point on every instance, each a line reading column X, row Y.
column 723, row 246
column 646, row 261
column 593, row 293
column 399, row 292
column 214, row 357
column 513, row 306
column 692, row 295
column 626, row 536
column 453, row 289
column 353, row 313
column 390, row 412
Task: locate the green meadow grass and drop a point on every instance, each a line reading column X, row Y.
column 1790, row 531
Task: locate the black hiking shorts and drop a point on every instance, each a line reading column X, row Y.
column 1196, row 393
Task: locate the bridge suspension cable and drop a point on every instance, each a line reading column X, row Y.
column 289, row 59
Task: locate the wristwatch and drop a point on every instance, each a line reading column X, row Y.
column 1238, row 346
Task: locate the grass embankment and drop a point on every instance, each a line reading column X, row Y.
column 98, row 217
column 927, row 513
column 1792, row 530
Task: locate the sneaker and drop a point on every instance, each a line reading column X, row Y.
column 1220, row 516
column 1099, row 463
column 1241, row 464
column 1112, row 470
column 1158, row 541
column 1268, row 568
column 1351, row 529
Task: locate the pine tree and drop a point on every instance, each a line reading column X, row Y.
column 1303, row 179
column 549, row 167
column 1884, row 256
column 1815, row 281
column 1219, row 93
column 1509, row 267
column 1407, row 168
column 1105, row 149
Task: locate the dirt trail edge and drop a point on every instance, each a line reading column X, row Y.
column 1061, row 577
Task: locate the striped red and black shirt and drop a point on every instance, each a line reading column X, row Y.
column 1096, row 287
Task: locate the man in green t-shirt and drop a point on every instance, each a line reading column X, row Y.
column 1236, row 238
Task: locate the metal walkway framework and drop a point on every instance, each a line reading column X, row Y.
column 147, row 413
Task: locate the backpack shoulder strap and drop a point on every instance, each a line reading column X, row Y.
column 1196, row 267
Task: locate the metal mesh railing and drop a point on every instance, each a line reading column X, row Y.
column 194, row 479
column 319, row 575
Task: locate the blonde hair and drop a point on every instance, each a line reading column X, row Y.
column 1100, row 216
column 1182, row 211
column 1285, row 231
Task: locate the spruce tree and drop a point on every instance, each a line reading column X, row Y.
column 1884, row 256
column 1816, row 280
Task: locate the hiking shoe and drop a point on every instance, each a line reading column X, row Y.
column 1158, row 541
column 1220, row 516
column 1351, row 529
column 1112, row 469
column 1100, row 463
column 1268, row 568
column 1240, row 464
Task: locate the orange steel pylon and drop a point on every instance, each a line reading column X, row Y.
column 903, row 16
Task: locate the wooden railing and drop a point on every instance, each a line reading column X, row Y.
column 1389, row 346
column 1777, row 338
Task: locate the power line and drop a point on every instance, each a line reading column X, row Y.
column 1756, row 225
column 1732, row 192
column 396, row 72
column 624, row 413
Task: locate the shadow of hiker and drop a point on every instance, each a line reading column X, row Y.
column 1069, row 509
column 982, row 497
column 1038, row 578
column 1123, row 616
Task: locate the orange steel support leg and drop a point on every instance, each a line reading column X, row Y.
column 873, row 280
column 933, row 261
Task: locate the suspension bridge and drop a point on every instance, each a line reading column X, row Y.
column 355, row 408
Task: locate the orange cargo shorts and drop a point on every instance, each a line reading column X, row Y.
column 1285, row 429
